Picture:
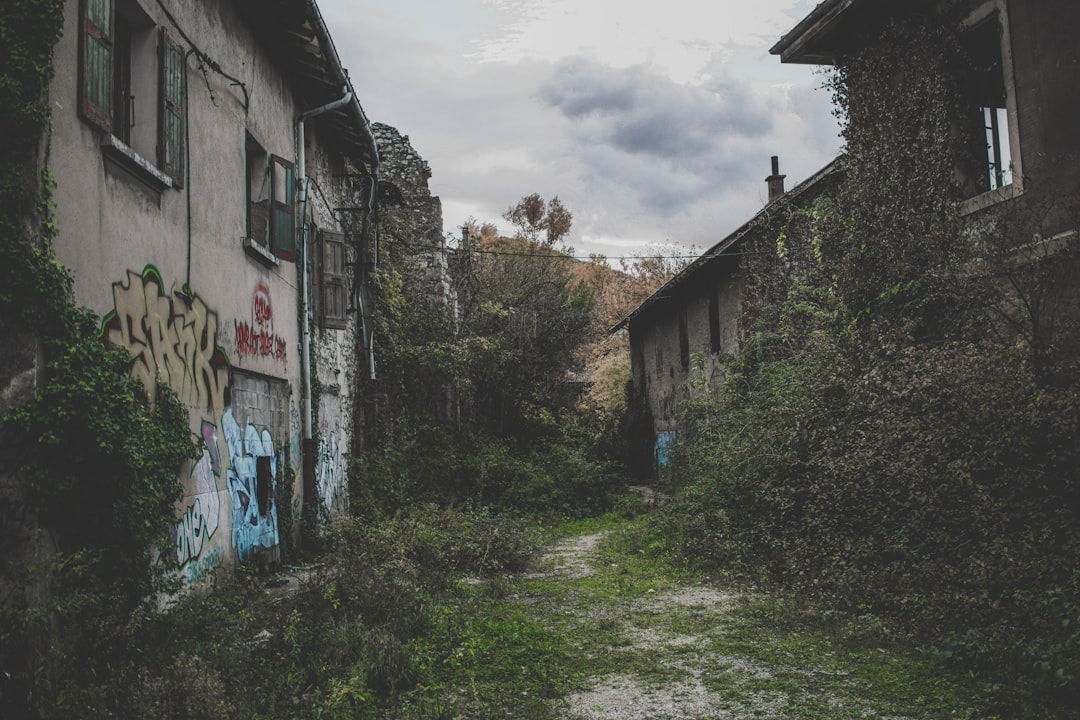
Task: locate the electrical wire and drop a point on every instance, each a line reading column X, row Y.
column 559, row 256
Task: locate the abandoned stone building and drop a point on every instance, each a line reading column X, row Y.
column 214, row 178
column 1018, row 184
column 700, row 312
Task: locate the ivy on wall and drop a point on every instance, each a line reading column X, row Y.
column 98, row 459
column 892, row 443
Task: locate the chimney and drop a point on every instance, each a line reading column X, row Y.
column 776, row 180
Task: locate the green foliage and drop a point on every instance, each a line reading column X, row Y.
column 341, row 640
column 98, row 460
column 475, row 405
column 886, row 445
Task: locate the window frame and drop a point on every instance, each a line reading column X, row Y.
column 282, row 210
column 99, row 98
column 172, row 101
column 716, row 338
column 996, row 11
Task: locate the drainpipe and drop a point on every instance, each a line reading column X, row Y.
column 305, row 183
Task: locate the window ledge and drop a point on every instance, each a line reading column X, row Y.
column 988, row 199
column 258, row 252
column 127, row 159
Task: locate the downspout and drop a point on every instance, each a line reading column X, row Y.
column 304, row 182
column 323, row 35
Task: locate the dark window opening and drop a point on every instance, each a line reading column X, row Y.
column 658, row 342
column 264, row 484
column 716, row 342
column 684, row 340
column 991, row 152
column 270, row 182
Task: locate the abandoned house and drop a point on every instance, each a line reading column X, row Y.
column 1016, row 175
column 214, row 177
column 1017, row 183
column 700, row 312
column 1024, row 68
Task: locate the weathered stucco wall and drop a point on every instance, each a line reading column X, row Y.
column 168, row 271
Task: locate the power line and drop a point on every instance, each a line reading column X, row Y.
column 560, row 256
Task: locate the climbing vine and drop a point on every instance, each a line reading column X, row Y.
column 886, row 444
column 98, row 460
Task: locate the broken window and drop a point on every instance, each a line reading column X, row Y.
column 264, row 483
column 992, row 151
column 270, row 184
column 131, row 82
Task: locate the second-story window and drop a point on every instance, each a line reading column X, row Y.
column 270, row 202
column 993, row 152
column 131, row 83
column 332, row 281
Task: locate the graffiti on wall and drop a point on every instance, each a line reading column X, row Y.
column 329, row 475
column 256, row 337
column 665, row 443
column 252, row 480
column 171, row 337
column 200, row 520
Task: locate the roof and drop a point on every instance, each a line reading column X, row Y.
column 298, row 40
column 803, row 43
column 724, row 248
column 836, row 27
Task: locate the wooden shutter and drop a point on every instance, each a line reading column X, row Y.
column 282, row 223
column 333, row 286
column 171, row 116
column 96, row 63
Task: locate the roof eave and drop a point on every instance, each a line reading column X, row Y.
column 721, row 249
column 807, row 43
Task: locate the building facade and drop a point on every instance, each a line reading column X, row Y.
column 686, row 328
column 214, row 171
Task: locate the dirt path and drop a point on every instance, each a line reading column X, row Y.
column 634, row 695
column 654, row 648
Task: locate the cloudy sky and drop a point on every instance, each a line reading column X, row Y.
column 653, row 122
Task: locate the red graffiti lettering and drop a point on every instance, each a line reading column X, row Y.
column 253, row 342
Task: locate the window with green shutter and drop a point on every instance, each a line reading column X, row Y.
column 131, row 88
column 95, row 63
column 282, row 198
column 171, row 116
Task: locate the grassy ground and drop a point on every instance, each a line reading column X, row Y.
column 605, row 629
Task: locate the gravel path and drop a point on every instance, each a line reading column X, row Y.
column 656, row 649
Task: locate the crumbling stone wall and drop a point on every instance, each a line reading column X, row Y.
column 404, row 194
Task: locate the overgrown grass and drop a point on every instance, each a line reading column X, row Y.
column 453, row 613
column 522, row 647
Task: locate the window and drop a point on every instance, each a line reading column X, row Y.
column 131, row 87
column 716, row 341
column 270, row 201
column 332, row 279
column 684, row 340
column 659, row 348
column 994, row 153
